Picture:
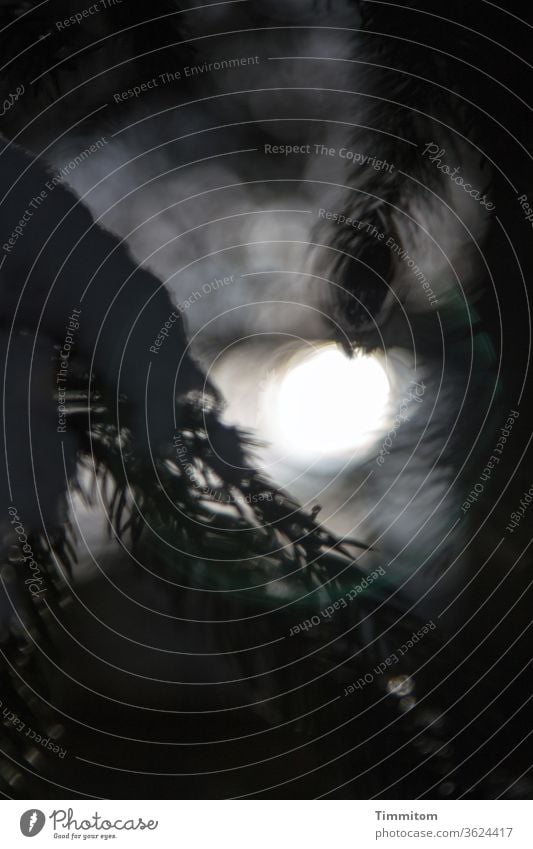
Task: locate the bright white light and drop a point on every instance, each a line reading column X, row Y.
column 328, row 405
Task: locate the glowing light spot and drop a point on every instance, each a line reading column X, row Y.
column 327, row 404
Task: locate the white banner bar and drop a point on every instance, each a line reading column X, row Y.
column 268, row 824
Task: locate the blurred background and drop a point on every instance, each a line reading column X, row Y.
column 330, row 202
